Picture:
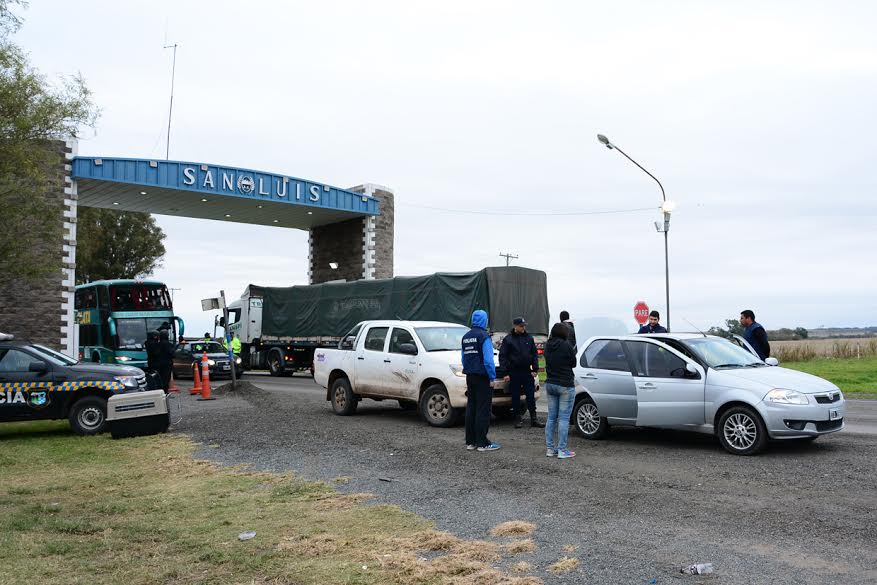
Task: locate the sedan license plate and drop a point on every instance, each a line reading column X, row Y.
column 833, row 414
column 226, row 367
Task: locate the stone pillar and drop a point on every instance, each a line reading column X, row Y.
column 362, row 248
column 42, row 311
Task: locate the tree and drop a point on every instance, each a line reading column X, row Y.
column 116, row 244
column 732, row 327
column 32, row 113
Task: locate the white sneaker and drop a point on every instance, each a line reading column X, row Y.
column 551, row 452
column 470, row 447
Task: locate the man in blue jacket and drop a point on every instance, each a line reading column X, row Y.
column 477, row 354
column 518, row 357
column 755, row 334
column 654, row 324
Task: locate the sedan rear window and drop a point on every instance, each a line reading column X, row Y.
column 605, row 354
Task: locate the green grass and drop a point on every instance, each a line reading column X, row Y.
column 142, row 511
column 857, row 378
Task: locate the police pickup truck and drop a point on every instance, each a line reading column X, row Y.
column 38, row 383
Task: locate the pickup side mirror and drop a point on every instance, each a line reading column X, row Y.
column 408, row 349
column 38, row 367
column 347, row 342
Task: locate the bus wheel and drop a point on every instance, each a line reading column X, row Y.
column 89, row 415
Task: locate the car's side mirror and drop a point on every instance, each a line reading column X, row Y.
column 38, row 367
column 772, row 361
column 408, row 349
column 691, row 371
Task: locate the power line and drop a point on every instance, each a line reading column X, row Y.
column 531, row 213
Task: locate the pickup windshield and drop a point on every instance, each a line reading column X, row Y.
column 721, row 353
column 441, row 338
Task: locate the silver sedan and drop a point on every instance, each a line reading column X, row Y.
column 699, row 383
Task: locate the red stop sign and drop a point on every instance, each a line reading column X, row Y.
column 641, row 312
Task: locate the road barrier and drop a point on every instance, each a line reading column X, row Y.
column 196, row 376
column 205, row 379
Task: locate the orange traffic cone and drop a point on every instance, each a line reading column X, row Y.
column 205, row 379
column 173, row 385
column 196, row 376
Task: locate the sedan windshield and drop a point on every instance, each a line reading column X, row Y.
column 721, row 353
column 441, row 338
column 205, row 346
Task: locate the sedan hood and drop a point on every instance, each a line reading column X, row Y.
column 776, row 377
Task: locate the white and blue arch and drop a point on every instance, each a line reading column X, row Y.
column 209, row 191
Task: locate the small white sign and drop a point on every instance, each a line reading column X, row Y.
column 211, row 304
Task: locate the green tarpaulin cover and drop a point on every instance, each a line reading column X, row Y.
column 332, row 309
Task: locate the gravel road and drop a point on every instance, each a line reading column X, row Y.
column 637, row 506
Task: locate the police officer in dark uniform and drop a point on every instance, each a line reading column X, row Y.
column 152, row 342
column 518, row 357
column 480, row 371
column 164, row 359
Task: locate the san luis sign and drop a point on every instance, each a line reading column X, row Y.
column 234, row 181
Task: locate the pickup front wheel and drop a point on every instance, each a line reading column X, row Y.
column 89, row 415
column 343, row 401
column 435, row 407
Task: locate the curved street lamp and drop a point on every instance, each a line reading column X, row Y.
column 667, row 208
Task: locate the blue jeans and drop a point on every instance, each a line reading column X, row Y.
column 560, row 403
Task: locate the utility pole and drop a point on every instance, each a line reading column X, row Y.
column 167, row 152
column 508, row 257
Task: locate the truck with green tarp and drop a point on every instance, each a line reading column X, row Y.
column 280, row 327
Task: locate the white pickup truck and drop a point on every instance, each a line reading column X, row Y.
column 417, row 363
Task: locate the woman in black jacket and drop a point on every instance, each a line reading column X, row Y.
column 560, row 359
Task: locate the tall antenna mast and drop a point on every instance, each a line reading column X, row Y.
column 170, row 113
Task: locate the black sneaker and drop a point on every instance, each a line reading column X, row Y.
column 519, row 422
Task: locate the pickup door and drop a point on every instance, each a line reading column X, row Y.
column 400, row 369
column 370, row 369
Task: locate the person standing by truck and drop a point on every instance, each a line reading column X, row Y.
column 480, row 371
column 518, row 357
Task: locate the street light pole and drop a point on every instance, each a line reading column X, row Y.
column 666, row 208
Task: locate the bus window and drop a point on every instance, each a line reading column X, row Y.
column 85, row 298
column 121, row 298
column 103, row 296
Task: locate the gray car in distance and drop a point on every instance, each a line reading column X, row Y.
column 699, row 383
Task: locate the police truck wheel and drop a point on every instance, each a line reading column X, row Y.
column 89, row 415
column 435, row 407
column 344, row 402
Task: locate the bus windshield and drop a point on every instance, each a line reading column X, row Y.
column 132, row 333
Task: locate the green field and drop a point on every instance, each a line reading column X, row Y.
column 857, row 378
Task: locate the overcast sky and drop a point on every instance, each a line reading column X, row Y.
column 758, row 118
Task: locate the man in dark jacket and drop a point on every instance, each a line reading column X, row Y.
column 164, row 359
column 564, row 318
column 152, row 343
column 654, row 324
column 755, row 334
column 480, row 371
column 518, row 357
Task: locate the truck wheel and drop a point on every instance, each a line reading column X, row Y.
column 435, row 407
column 343, row 400
column 275, row 363
column 89, row 415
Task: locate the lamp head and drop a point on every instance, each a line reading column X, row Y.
column 604, row 141
column 333, row 265
column 668, row 206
